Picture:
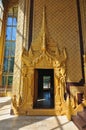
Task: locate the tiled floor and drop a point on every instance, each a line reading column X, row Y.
column 10, row 122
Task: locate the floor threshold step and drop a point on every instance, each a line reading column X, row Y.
column 81, row 124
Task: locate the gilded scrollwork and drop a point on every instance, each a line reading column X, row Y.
column 14, row 104
column 60, row 73
column 27, row 75
column 14, row 101
column 42, row 55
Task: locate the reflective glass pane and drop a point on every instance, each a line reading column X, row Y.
column 8, row 47
column 10, row 79
column 15, row 21
column 8, row 33
column 7, row 44
column 13, row 44
column 4, row 80
column 5, row 64
column 7, row 51
column 9, row 21
column 14, row 33
column 11, row 65
column 12, row 49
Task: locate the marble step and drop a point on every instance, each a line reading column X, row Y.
column 82, row 115
column 79, row 122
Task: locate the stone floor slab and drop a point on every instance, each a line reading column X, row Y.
column 12, row 122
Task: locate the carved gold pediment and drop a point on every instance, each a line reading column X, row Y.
column 43, row 49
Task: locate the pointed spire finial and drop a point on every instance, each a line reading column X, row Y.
column 44, row 30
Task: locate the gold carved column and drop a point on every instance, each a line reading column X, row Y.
column 60, row 87
column 27, row 92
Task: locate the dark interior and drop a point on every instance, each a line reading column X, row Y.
column 44, row 88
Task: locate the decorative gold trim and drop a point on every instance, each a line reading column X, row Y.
column 43, row 54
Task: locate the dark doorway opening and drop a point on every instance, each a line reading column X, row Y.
column 44, row 88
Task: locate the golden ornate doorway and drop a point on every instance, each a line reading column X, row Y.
column 43, row 57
